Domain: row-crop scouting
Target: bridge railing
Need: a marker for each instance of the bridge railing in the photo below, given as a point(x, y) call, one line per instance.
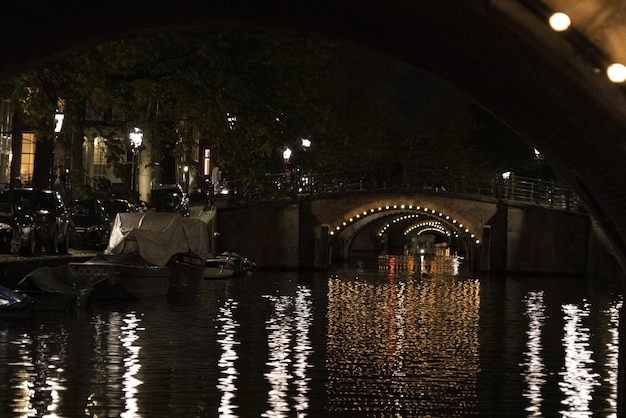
point(514, 188)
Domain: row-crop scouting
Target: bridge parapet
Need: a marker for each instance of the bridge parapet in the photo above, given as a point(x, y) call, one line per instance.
point(511, 187)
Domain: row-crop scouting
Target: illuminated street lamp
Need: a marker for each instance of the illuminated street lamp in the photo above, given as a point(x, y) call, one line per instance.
point(560, 22)
point(136, 139)
point(58, 121)
point(287, 165)
point(287, 154)
point(305, 180)
point(616, 73)
point(186, 178)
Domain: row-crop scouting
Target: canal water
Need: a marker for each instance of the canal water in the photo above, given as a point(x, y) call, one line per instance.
point(357, 341)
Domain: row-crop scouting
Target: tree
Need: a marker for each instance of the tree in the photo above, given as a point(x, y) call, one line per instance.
point(248, 95)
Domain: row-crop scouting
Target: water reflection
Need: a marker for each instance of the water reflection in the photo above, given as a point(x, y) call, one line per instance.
point(288, 342)
point(578, 377)
point(613, 354)
point(227, 340)
point(356, 342)
point(38, 382)
point(534, 364)
point(401, 343)
point(131, 363)
point(116, 362)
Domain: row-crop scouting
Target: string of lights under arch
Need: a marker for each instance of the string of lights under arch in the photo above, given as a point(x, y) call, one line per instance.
point(411, 211)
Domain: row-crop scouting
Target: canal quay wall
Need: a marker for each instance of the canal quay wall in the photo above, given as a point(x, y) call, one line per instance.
point(13, 268)
point(519, 239)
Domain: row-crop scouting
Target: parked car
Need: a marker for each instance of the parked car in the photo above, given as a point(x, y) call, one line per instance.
point(115, 206)
point(91, 224)
point(49, 214)
point(17, 232)
point(169, 198)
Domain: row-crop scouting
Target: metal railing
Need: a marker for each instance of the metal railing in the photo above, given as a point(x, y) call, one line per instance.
point(515, 188)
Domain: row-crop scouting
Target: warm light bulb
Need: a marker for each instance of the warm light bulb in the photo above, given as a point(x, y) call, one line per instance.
point(616, 73)
point(559, 22)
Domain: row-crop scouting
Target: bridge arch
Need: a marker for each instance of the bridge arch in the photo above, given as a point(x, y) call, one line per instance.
point(354, 215)
point(414, 221)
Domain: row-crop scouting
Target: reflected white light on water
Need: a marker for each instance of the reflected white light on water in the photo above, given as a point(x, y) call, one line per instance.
point(395, 343)
point(534, 364)
point(303, 348)
point(577, 374)
point(24, 385)
point(131, 363)
point(227, 331)
point(613, 353)
point(40, 374)
point(289, 349)
point(279, 357)
point(53, 386)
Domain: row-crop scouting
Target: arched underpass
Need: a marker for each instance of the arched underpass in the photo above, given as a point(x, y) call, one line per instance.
point(393, 229)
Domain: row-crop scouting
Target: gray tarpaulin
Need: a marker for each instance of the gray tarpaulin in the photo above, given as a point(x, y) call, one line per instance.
point(157, 236)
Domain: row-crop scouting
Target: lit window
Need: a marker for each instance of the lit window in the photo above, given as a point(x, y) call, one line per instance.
point(207, 162)
point(28, 157)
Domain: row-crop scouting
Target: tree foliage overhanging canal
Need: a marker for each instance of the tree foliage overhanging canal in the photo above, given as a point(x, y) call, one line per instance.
point(249, 95)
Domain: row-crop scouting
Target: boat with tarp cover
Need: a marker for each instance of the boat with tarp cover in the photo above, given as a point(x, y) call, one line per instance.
point(56, 288)
point(149, 254)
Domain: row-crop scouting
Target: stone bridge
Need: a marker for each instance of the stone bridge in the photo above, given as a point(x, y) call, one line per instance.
point(492, 235)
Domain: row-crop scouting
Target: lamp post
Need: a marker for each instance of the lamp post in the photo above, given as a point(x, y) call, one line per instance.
point(59, 117)
point(186, 178)
point(136, 139)
point(58, 121)
point(306, 181)
point(286, 166)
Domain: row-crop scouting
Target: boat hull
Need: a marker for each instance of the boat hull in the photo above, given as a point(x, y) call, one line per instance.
point(218, 268)
point(124, 281)
point(185, 273)
point(55, 288)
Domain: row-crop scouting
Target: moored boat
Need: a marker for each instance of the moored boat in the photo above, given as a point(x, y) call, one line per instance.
point(218, 268)
point(11, 301)
point(227, 264)
point(150, 254)
point(56, 288)
point(123, 276)
point(186, 273)
point(242, 265)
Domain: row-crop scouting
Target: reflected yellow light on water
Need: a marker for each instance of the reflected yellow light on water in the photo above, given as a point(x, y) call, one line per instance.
point(404, 344)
